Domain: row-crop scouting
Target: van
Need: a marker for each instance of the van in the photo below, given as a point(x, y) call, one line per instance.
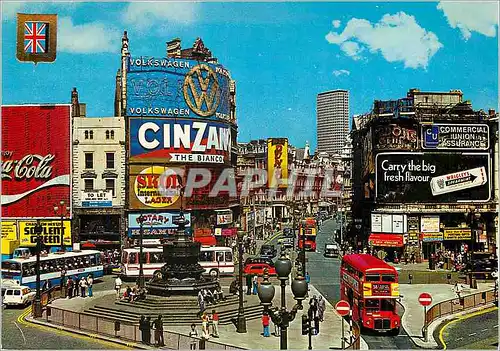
point(18, 296)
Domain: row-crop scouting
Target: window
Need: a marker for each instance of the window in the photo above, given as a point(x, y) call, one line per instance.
point(89, 160)
point(91, 134)
point(9, 292)
point(110, 160)
point(86, 134)
point(387, 305)
point(112, 134)
point(220, 256)
point(17, 292)
point(107, 134)
point(388, 278)
point(372, 303)
point(89, 184)
point(372, 278)
point(206, 256)
point(110, 185)
point(229, 256)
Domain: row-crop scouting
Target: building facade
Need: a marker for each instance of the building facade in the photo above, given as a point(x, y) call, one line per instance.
point(181, 122)
point(332, 120)
point(423, 175)
point(98, 178)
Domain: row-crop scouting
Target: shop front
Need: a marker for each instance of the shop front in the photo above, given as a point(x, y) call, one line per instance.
point(99, 228)
point(388, 247)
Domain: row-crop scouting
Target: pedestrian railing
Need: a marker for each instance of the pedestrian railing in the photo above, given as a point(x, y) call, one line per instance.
point(459, 304)
point(126, 331)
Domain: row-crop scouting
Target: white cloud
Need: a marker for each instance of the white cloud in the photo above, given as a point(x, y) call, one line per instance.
point(86, 38)
point(399, 38)
point(340, 72)
point(147, 14)
point(336, 23)
point(480, 17)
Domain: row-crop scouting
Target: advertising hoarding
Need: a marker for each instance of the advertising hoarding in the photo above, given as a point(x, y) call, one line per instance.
point(396, 137)
point(431, 237)
point(36, 160)
point(457, 234)
point(451, 136)
point(9, 230)
point(179, 141)
point(429, 224)
point(432, 177)
point(97, 198)
point(224, 217)
point(413, 228)
point(277, 162)
point(174, 87)
point(145, 184)
point(156, 225)
point(51, 234)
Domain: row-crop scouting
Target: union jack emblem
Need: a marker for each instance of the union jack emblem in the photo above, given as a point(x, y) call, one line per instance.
point(35, 35)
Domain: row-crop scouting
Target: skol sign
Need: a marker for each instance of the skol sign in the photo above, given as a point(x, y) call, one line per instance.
point(277, 162)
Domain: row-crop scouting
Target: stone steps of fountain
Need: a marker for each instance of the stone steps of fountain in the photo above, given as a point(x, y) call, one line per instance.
point(176, 304)
point(172, 316)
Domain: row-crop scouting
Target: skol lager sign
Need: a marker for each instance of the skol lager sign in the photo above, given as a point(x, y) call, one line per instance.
point(277, 162)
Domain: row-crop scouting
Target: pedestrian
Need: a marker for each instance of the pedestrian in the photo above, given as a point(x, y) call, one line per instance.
point(458, 289)
point(308, 278)
point(321, 308)
point(83, 286)
point(313, 312)
point(265, 324)
point(215, 324)
point(204, 323)
point(158, 323)
point(193, 333)
point(254, 284)
point(142, 328)
point(248, 278)
point(118, 286)
point(69, 284)
point(276, 329)
point(412, 258)
point(201, 302)
point(90, 283)
point(147, 330)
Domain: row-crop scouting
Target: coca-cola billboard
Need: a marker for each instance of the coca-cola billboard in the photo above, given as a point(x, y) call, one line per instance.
point(35, 160)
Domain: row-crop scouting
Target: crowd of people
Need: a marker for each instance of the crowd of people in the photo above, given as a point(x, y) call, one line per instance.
point(146, 326)
point(79, 286)
point(111, 257)
point(209, 296)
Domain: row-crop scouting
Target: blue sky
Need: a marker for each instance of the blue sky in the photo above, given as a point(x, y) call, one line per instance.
point(280, 54)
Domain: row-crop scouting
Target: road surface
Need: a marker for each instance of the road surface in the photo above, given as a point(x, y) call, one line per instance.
point(325, 276)
point(477, 330)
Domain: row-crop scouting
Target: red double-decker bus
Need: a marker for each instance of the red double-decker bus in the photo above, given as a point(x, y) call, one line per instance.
point(371, 287)
point(309, 229)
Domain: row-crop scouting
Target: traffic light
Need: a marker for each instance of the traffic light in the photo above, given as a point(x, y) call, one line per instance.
point(305, 325)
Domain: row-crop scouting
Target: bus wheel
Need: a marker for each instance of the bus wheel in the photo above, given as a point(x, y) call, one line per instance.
point(394, 332)
point(214, 273)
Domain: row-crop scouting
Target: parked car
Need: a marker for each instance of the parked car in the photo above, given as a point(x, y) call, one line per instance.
point(268, 251)
point(256, 259)
point(288, 243)
point(258, 269)
point(18, 296)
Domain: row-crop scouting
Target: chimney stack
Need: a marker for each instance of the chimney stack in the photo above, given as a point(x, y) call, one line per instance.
point(174, 48)
point(75, 105)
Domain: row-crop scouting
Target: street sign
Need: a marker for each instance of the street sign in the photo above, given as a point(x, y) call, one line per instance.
point(425, 299)
point(342, 307)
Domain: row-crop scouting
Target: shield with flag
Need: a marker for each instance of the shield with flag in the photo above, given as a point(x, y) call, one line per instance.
point(36, 37)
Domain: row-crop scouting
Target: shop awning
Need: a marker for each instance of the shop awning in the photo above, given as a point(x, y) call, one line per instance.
point(386, 240)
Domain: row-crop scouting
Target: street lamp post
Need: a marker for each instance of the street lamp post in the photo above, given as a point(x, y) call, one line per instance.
point(61, 215)
point(303, 223)
point(140, 283)
point(282, 317)
point(241, 322)
point(37, 304)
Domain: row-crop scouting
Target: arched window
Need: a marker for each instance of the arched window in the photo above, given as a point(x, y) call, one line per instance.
point(107, 134)
point(112, 134)
point(91, 134)
point(86, 134)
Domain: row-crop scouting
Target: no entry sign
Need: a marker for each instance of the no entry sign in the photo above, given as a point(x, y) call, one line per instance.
point(342, 307)
point(425, 299)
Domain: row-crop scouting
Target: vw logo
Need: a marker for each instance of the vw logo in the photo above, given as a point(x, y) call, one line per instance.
point(201, 90)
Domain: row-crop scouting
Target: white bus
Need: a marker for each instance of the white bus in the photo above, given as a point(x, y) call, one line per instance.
point(216, 261)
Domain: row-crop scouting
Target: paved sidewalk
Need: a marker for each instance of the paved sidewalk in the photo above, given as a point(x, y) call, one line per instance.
point(329, 336)
point(413, 318)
